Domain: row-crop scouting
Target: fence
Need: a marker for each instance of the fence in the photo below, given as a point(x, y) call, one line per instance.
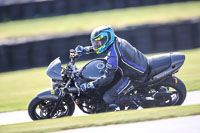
point(147, 38)
point(25, 9)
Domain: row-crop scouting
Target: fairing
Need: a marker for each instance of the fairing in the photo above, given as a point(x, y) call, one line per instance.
point(54, 69)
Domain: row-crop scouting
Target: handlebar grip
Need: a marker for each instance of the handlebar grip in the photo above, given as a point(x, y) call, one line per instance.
point(79, 49)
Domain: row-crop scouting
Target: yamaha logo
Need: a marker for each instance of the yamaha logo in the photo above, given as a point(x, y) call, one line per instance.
point(100, 65)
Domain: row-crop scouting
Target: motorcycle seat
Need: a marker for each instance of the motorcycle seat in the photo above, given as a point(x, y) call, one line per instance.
point(159, 63)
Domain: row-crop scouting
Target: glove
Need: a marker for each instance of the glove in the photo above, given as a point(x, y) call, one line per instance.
point(86, 86)
point(90, 85)
point(88, 50)
point(79, 49)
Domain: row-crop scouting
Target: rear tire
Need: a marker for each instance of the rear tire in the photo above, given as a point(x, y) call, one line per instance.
point(46, 106)
point(178, 85)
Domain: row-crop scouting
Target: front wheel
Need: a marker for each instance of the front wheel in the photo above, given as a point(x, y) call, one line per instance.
point(41, 109)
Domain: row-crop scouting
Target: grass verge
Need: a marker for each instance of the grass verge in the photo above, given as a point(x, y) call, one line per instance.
point(102, 119)
point(88, 21)
point(19, 87)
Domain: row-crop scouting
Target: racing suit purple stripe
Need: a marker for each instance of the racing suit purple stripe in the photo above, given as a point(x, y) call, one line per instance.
point(122, 85)
point(112, 62)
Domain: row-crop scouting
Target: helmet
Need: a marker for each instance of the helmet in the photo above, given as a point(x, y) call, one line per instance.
point(101, 38)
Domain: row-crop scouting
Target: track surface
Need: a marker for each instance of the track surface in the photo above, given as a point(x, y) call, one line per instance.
point(22, 116)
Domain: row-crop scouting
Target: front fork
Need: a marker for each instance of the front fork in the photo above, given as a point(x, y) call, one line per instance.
point(62, 96)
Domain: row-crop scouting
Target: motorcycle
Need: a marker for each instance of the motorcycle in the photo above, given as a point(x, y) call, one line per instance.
point(161, 88)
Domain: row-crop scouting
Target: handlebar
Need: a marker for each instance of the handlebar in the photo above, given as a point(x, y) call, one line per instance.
point(74, 56)
point(78, 51)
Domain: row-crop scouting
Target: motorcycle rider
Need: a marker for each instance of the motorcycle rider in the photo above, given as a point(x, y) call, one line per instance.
point(121, 55)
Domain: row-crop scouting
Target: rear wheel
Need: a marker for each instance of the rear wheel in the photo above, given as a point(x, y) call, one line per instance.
point(173, 89)
point(41, 109)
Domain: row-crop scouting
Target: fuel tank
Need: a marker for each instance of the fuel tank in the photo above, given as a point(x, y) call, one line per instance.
point(94, 69)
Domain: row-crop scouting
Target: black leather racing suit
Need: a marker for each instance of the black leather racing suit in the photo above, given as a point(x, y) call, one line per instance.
point(133, 64)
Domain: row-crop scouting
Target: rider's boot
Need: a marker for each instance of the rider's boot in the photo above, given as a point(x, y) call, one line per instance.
point(135, 102)
point(128, 100)
point(112, 107)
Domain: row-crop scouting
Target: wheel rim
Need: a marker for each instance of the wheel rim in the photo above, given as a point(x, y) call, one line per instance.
point(44, 108)
point(174, 95)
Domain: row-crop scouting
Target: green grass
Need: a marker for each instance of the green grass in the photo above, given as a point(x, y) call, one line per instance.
point(87, 21)
point(190, 71)
point(17, 88)
point(102, 119)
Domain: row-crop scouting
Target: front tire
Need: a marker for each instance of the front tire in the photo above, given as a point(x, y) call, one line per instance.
point(40, 109)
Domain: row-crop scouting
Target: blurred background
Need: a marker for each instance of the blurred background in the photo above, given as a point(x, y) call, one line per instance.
point(34, 32)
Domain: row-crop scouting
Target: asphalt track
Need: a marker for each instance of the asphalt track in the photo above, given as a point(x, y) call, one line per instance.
point(22, 116)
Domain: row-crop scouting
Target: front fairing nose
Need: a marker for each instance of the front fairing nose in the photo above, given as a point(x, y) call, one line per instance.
point(54, 69)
